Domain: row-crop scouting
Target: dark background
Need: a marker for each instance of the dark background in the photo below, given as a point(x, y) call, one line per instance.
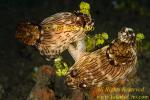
point(17, 60)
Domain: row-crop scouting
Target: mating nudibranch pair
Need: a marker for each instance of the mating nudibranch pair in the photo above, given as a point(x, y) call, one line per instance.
point(104, 66)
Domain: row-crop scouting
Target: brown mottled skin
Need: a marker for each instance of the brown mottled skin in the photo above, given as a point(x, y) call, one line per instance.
point(55, 33)
point(28, 33)
point(107, 65)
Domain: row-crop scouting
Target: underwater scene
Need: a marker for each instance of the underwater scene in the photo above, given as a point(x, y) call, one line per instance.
point(75, 50)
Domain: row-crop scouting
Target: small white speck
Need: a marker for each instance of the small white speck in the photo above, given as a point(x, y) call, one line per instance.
point(85, 78)
point(68, 22)
point(78, 18)
point(84, 85)
point(123, 63)
point(124, 33)
point(52, 18)
point(42, 32)
point(47, 59)
point(111, 56)
point(93, 82)
point(109, 78)
point(128, 29)
point(99, 84)
point(71, 68)
point(113, 41)
point(41, 38)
